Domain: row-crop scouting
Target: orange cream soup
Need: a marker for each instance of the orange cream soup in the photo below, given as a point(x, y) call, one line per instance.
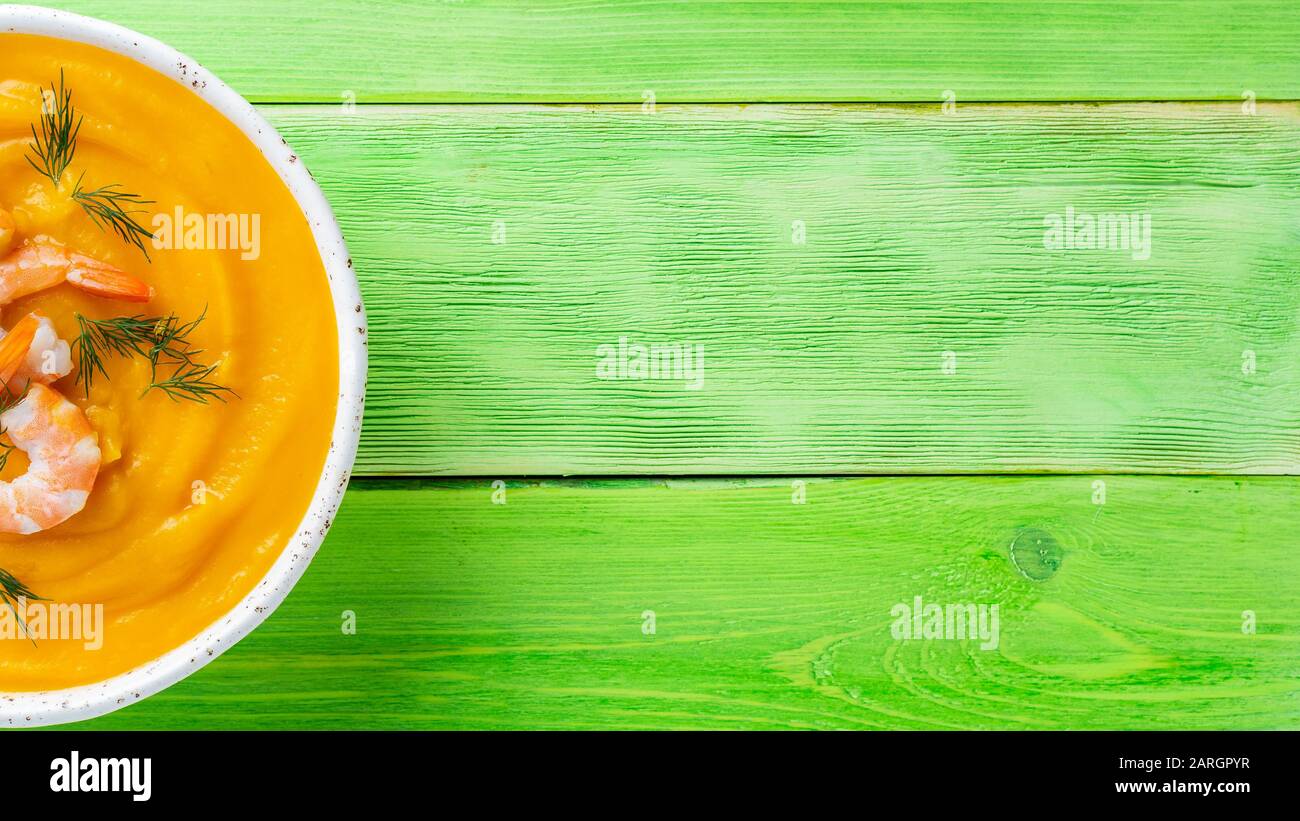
point(163, 566)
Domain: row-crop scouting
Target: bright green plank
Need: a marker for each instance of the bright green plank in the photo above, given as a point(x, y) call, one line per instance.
point(924, 235)
point(561, 51)
point(774, 615)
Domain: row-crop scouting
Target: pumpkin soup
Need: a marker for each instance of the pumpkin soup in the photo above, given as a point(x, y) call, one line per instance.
point(169, 366)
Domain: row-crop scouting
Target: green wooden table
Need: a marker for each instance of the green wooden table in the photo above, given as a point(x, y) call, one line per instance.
point(907, 390)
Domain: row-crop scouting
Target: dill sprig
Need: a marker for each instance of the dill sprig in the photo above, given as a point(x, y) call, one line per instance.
point(54, 146)
point(164, 341)
point(190, 381)
point(97, 338)
point(111, 209)
point(11, 590)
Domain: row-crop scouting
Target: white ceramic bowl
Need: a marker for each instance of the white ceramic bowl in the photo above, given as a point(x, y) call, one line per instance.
point(76, 703)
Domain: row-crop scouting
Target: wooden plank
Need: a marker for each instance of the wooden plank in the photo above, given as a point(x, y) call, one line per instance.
point(529, 614)
point(750, 51)
point(500, 247)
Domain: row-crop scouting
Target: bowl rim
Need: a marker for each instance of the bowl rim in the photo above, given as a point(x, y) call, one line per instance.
point(30, 709)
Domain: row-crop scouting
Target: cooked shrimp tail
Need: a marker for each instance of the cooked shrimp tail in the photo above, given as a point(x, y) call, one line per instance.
point(102, 279)
point(39, 263)
point(48, 358)
point(14, 348)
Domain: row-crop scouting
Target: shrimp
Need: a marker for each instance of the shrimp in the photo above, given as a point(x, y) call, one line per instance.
point(62, 447)
point(41, 263)
point(56, 435)
point(65, 459)
point(15, 347)
point(48, 358)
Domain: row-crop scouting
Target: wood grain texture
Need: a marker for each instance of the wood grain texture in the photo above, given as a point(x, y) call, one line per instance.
point(924, 234)
point(749, 51)
point(768, 614)
point(499, 247)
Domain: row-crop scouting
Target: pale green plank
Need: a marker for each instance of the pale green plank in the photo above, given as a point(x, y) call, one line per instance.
point(774, 615)
point(924, 234)
point(559, 51)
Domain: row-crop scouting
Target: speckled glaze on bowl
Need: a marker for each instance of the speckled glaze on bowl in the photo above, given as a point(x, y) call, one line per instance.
point(77, 703)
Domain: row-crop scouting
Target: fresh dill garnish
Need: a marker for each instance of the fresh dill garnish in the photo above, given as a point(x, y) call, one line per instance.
point(161, 340)
point(190, 381)
point(111, 209)
point(11, 590)
point(99, 337)
point(57, 142)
